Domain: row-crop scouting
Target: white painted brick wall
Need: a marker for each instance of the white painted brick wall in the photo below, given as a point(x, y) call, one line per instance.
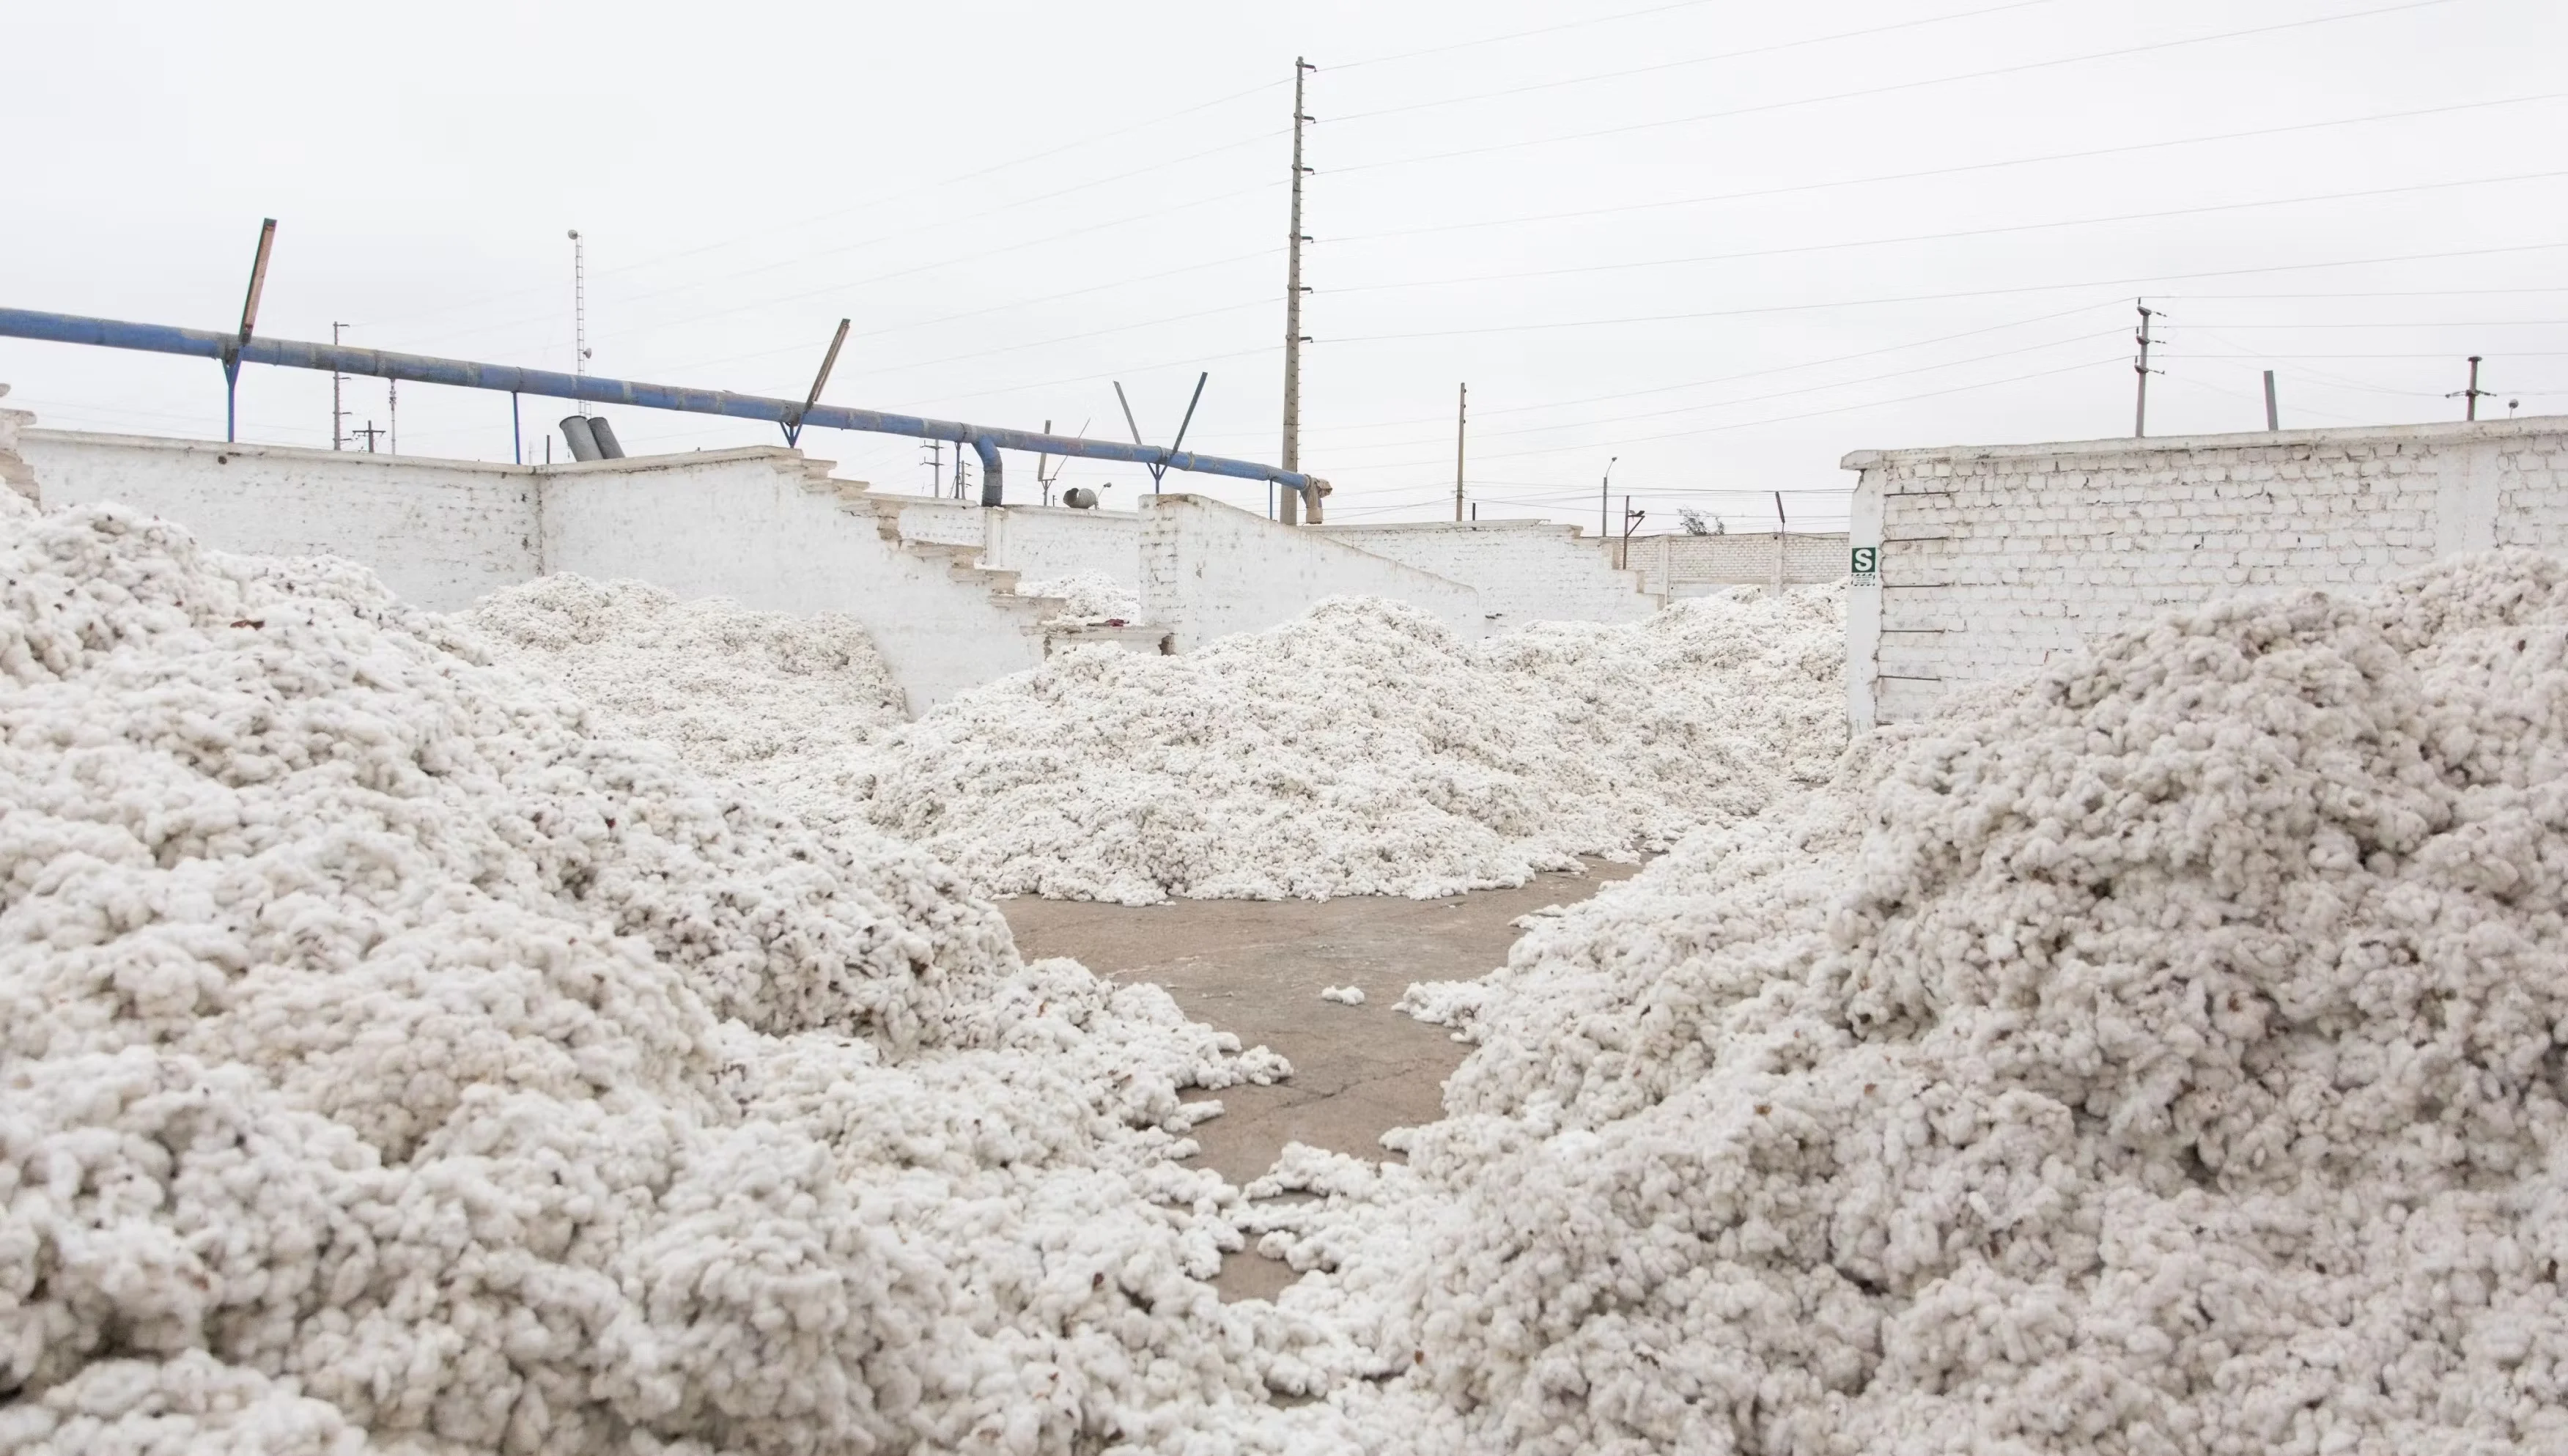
point(1688, 565)
point(1046, 543)
point(441, 533)
point(1208, 570)
point(14, 471)
point(766, 528)
point(1525, 571)
point(1995, 560)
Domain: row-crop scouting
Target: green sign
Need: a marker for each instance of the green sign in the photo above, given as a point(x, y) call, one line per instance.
point(1866, 565)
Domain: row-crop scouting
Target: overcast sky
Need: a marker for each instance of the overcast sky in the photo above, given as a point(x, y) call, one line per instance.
point(1725, 242)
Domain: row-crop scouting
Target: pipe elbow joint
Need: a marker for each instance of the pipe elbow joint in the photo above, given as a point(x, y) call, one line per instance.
point(993, 482)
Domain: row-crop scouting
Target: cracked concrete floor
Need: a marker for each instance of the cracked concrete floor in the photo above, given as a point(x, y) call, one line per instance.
point(1256, 968)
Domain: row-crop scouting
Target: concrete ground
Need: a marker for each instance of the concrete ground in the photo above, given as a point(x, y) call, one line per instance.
point(1256, 969)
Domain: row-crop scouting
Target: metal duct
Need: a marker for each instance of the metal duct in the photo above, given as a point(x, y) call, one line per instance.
point(582, 438)
point(466, 374)
point(605, 432)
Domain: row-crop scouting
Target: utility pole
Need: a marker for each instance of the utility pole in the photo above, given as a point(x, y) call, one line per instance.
point(2470, 396)
point(1461, 414)
point(371, 433)
point(338, 416)
point(935, 463)
point(579, 311)
point(2140, 412)
point(1293, 291)
point(1605, 503)
point(392, 417)
point(2273, 415)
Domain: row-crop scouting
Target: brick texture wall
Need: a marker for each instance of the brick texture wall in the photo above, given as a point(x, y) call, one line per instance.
point(1995, 560)
point(1685, 565)
point(1525, 571)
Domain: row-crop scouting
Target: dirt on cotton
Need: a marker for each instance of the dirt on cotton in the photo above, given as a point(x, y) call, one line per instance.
point(1362, 749)
point(2163, 1056)
point(388, 1063)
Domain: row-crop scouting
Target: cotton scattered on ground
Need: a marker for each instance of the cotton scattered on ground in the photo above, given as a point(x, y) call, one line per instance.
point(786, 704)
point(1087, 597)
point(2161, 1055)
point(1362, 749)
point(1345, 995)
point(390, 1063)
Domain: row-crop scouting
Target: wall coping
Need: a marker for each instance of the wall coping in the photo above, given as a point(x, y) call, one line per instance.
point(2434, 432)
point(628, 465)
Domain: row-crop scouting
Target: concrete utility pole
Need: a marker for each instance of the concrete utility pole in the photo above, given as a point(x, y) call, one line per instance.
point(2273, 416)
point(2470, 396)
point(579, 309)
point(371, 434)
point(1461, 413)
point(1605, 503)
point(338, 416)
point(2140, 412)
point(1293, 291)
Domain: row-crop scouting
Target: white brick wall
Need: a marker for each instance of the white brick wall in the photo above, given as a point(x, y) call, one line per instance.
point(441, 533)
point(1208, 570)
point(1525, 571)
point(1993, 560)
point(1686, 565)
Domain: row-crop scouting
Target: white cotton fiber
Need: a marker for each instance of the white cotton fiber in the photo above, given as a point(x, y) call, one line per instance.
point(386, 1058)
point(787, 705)
point(2161, 1055)
point(1345, 995)
point(1362, 749)
point(1087, 597)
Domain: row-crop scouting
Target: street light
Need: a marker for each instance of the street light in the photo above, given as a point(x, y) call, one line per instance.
point(1603, 504)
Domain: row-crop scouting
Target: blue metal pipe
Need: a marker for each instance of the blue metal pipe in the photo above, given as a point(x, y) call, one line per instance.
point(987, 441)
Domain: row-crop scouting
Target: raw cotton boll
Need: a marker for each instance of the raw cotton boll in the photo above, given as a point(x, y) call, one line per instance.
point(788, 705)
point(2160, 1054)
point(387, 1062)
point(1087, 597)
point(1362, 749)
point(1345, 995)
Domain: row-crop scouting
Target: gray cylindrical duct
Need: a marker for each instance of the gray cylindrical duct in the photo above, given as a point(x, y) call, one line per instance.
point(605, 432)
point(993, 485)
point(1078, 497)
point(582, 440)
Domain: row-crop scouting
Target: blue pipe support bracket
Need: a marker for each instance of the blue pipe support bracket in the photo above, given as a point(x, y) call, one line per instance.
point(985, 441)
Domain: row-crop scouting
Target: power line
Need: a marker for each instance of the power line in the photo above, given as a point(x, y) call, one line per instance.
point(1939, 171)
point(1916, 237)
point(1516, 35)
point(1876, 90)
point(1767, 50)
point(871, 206)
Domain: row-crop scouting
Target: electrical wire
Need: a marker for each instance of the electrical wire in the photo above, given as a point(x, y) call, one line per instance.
point(1940, 171)
point(1893, 88)
point(2001, 230)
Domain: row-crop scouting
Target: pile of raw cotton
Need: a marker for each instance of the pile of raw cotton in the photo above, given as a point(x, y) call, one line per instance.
point(2163, 1056)
point(1363, 748)
point(384, 1058)
point(1091, 596)
point(786, 704)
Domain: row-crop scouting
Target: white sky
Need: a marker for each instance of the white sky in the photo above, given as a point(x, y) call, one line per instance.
point(1725, 242)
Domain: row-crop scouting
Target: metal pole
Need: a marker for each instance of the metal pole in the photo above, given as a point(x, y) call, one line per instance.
point(579, 309)
point(2140, 411)
point(829, 361)
point(516, 432)
point(1462, 411)
point(250, 321)
point(2472, 400)
point(1604, 502)
point(2273, 415)
point(1293, 291)
point(338, 415)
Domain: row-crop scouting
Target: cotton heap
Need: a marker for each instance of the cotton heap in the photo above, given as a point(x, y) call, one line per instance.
point(1091, 596)
point(1362, 749)
point(386, 1061)
point(2161, 1055)
point(787, 705)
